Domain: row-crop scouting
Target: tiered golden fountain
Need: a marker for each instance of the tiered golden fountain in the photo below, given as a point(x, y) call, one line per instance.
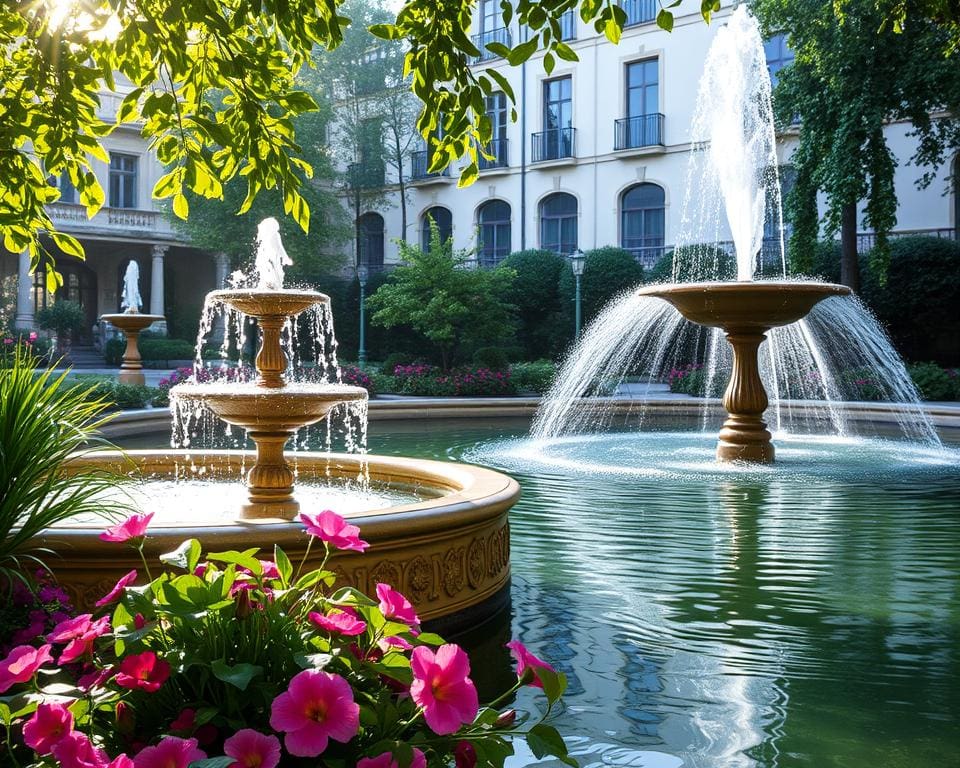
point(271, 409)
point(745, 311)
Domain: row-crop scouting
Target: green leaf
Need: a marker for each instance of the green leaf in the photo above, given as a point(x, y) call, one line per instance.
point(212, 762)
point(429, 638)
point(613, 31)
point(665, 20)
point(283, 565)
point(237, 675)
point(522, 52)
point(68, 244)
point(186, 556)
point(554, 683)
point(468, 175)
point(180, 206)
point(385, 31)
point(5, 715)
point(499, 49)
point(549, 62)
point(545, 741)
point(247, 559)
point(708, 8)
point(168, 184)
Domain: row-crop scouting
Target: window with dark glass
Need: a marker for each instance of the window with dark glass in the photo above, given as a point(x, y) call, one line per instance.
point(490, 18)
point(787, 177)
point(123, 180)
point(643, 124)
point(371, 240)
point(68, 192)
point(556, 140)
point(558, 223)
point(494, 220)
point(444, 221)
point(779, 55)
point(642, 221)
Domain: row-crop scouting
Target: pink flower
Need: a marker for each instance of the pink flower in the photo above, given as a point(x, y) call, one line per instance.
point(22, 664)
point(252, 749)
point(133, 527)
point(113, 594)
point(171, 752)
point(79, 636)
point(330, 527)
point(121, 761)
point(464, 755)
point(76, 751)
point(343, 621)
point(185, 721)
point(442, 687)
point(393, 605)
point(387, 643)
point(526, 660)
point(49, 724)
point(317, 706)
point(94, 677)
point(387, 760)
point(144, 671)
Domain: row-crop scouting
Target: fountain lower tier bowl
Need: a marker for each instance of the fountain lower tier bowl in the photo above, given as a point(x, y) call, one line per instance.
point(131, 321)
point(745, 311)
point(448, 550)
point(260, 302)
point(267, 409)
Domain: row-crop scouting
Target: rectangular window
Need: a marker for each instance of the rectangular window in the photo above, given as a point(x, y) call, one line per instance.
point(68, 192)
point(495, 106)
point(490, 18)
point(779, 55)
point(370, 149)
point(643, 88)
point(558, 104)
point(123, 180)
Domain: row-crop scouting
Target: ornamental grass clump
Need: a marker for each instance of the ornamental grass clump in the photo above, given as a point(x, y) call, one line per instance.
point(229, 659)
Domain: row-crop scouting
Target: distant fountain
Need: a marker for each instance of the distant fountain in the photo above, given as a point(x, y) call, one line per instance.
point(812, 330)
point(131, 322)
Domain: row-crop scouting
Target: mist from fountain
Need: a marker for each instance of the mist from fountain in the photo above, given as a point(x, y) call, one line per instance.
point(810, 368)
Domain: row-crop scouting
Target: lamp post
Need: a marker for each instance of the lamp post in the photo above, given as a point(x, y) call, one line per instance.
point(577, 262)
point(363, 272)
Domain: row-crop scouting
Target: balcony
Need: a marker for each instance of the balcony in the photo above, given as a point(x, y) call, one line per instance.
point(638, 132)
point(639, 11)
point(123, 223)
point(555, 144)
point(366, 175)
point(500, 156)
point(419, 163)
point(499, 35)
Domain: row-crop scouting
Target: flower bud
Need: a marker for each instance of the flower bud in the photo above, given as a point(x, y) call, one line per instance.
point(506, 719)
point(125, 720)
point(243, 604)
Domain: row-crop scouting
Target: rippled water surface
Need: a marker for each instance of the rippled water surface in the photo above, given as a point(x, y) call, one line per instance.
point(803, 616)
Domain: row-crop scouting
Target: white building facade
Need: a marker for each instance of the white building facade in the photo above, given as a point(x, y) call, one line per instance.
point(600, 152)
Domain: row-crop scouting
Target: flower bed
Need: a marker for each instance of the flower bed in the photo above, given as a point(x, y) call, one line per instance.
point(236, 660)
point(428, 381)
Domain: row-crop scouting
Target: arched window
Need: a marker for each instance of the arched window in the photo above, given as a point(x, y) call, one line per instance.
point(494, 219)
point(642, 222)
point(558, 223)
point(371, 240)
point(442, 218)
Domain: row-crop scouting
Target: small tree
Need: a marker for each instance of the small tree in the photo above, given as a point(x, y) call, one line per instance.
point(536, 294)
point(607, 272)
point(456, 309)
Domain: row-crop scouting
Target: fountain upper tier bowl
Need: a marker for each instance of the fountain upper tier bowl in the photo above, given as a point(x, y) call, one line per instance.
point(756, 306)
point(261, 302)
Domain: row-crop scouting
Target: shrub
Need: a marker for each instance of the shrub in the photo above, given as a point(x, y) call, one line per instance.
point(533, 377)
point(536, 295)
point(61, 317)
point(607, 272)
point(164, 350)
point(113, 350)
point(427, 381)
point(493, 358)
point(918, 302)
point(700, 261)
point(123, 396)
point(934, 382)
point(356, 377)
point(393, 360)
point(23, 343)
point(230, 651)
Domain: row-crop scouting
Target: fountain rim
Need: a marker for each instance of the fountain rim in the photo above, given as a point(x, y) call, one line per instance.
point(470, 492)
point(222, 295)
point(658, 290)
point(138, 318)
point(295, 390)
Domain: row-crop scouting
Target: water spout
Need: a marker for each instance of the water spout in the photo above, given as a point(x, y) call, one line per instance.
point(271, 256)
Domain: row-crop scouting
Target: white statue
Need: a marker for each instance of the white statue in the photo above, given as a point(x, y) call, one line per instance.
point(131, 301)
point(271, 256)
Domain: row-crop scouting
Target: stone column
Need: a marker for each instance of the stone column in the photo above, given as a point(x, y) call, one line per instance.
point(156, 287)
point(24, 316)
point(156, 280)
point(222, 263)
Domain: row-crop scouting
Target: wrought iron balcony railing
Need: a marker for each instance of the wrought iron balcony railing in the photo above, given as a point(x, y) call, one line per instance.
point(498, 149)
point(639, 131)
point(499, 35)
point(553, 144)
point(419, 163)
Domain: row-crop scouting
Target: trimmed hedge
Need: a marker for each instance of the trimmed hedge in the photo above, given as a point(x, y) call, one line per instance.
point(536, 377)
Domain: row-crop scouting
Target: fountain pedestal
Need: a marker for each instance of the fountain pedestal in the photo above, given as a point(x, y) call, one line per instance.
point(131, 323)
point(745, 311)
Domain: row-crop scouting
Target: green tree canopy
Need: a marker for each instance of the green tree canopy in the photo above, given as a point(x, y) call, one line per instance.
point(850, 79)
point(607, 272)
point(453, 307)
